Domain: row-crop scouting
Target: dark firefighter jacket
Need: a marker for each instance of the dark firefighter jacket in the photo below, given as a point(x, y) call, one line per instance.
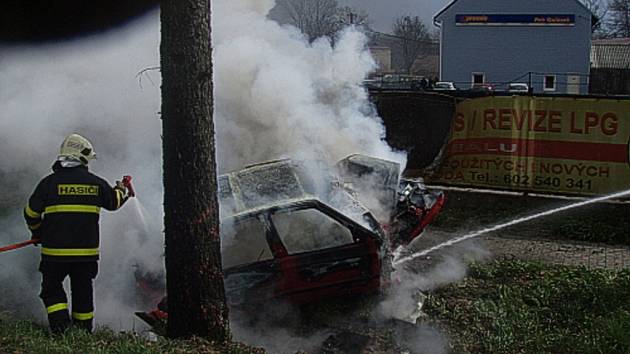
point(63, 213)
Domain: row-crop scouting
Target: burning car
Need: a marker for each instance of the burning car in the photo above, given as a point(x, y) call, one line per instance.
point(287, 236)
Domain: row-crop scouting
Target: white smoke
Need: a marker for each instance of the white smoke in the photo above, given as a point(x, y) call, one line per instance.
point(279, 96)
point(276, 96)
point(278, 328)
point(405, 297)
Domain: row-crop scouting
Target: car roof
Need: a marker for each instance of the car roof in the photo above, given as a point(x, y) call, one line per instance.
point(279, 184)
point(258, 185)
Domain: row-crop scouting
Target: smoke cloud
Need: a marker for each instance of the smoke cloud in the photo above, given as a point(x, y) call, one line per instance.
point(404, 299)
point(276, 96)
point(90, 87)
point(279, 96)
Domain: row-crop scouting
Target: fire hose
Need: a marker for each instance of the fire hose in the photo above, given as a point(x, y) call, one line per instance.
point(18, 245)
point(126, 181)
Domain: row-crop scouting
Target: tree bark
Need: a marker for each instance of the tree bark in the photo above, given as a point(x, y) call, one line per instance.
point(196, 297)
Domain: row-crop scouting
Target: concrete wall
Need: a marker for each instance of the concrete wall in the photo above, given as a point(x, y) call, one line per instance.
point(505, 53)
point(383, 58)
point(416, 122)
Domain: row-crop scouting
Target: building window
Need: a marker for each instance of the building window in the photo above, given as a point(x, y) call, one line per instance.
point(478, 79)
point(550, 83)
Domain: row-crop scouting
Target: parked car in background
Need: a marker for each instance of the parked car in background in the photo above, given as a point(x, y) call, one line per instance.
point(421, 84)
point(402, 82)
point(444, 86)
point(517, 87)
point(487, 88)
point(375, 83)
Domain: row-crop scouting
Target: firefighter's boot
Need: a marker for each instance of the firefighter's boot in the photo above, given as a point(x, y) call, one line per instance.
point(85, 325)
point(59, 320)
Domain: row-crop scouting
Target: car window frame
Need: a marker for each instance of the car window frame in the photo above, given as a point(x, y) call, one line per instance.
point(283, 236)
point(278, 249)
point(260, 218)
point(358, 232)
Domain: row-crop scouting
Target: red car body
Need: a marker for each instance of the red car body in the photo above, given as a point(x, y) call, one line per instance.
point(281, 240)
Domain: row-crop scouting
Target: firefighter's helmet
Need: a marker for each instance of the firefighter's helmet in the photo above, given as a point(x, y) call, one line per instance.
point(78, 148)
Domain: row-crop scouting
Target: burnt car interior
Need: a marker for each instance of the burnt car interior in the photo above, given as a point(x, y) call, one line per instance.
point(311, 247)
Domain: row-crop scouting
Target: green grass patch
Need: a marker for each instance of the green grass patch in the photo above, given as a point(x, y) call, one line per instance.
point(516, 307)
point(26, 337)
point(604, 222)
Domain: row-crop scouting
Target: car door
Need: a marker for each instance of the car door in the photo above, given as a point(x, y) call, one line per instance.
point(251, 269)
point(327, 255)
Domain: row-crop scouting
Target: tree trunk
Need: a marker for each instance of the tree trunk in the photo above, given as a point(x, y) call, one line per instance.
point(196, 297)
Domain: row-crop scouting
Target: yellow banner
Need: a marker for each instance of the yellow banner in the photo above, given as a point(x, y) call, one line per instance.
point(540, 144)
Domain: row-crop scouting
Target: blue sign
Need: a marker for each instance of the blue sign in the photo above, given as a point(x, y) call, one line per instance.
point(514, 20)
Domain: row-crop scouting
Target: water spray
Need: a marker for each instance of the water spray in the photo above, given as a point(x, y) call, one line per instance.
point(451, 242)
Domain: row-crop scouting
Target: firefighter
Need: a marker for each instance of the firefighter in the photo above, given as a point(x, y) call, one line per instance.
point(63, 213)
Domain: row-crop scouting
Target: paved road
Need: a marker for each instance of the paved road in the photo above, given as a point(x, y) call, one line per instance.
point(497, 246)
point(560, 252)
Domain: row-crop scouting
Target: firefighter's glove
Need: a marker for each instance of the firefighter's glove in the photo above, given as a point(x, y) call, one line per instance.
point(36, 236)
point(121, 186)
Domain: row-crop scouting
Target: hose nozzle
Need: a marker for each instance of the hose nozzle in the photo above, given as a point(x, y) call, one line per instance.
point(126, 181)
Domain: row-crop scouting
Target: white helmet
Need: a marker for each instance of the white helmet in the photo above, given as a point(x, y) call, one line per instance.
point(77, 148)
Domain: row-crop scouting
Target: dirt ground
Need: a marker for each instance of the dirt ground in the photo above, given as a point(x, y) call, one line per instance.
point(594, 236)
point(560, 252)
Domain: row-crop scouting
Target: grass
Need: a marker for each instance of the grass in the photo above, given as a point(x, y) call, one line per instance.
point(516, 307)
point(601, 223)
point(26, 337)
point(500, 307)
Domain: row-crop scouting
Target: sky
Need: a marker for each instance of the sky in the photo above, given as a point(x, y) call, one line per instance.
point(383, 12)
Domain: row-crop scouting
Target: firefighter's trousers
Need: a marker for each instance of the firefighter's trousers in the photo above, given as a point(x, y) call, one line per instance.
point(81, 276)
